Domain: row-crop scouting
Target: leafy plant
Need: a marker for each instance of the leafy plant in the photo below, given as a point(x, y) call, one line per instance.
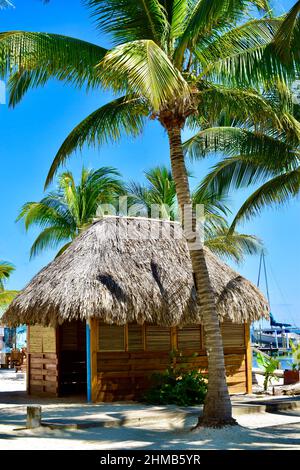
point(295, 355)
point(177, 386)
point(269, 364)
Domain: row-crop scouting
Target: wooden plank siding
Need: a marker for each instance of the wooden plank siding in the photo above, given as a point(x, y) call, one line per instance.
point(125, 375)
point(123, 358)
point(42, 361)
point(43, 374)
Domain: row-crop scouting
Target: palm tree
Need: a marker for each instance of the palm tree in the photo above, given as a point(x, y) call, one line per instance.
point(6, 296)
point(178, 62)
point(64, 213)
point(160, 193)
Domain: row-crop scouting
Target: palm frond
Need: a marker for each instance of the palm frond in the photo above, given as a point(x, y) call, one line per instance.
point(49, 238)
point(287, 37)
point(6, 269)
point(31, 59)
point(238, 105)
point(159, 193)
point(234, 246)
point(178, 18)
point(276, 191)
point(107, 124)
point(214, 204)
point(237, 172)
point(143, 68)
point(272, 149)
point(50, 210)
point(207, 16)
point(6, 297)
point(131, 20)
point(62, 214)
point(245, 55)
point(63, 249)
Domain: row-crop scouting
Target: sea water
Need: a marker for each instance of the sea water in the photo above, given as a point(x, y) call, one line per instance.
point(286, 362)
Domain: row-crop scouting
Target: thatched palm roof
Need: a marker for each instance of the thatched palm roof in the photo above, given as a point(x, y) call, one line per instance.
point(125, 270)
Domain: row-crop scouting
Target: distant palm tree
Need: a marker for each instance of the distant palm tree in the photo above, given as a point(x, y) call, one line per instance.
point(64, 213)
point(160, 191)
point(6, 296)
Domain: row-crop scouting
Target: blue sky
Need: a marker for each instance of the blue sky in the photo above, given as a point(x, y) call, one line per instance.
point(33, 131)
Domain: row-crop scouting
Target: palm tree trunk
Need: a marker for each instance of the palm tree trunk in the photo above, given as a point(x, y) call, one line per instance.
point(217, 407)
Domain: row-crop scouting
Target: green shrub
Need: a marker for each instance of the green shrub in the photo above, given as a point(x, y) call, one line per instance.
point(178, 387)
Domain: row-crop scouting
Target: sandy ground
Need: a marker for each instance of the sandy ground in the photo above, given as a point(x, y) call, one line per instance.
point(255, 431)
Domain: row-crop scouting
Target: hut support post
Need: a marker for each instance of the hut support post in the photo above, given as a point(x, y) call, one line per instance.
point(28, 362)
point(248, 358)
point(94, 324)
point(88, 363)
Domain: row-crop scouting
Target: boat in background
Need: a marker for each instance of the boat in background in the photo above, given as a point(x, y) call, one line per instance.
point(278, 336)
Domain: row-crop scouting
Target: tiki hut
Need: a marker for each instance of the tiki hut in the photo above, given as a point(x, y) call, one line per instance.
point(106, 313)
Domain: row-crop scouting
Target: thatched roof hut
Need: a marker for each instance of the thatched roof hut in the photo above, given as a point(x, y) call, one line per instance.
point(124, 270)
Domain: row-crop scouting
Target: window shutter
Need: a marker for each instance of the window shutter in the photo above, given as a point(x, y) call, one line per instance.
point(111, 337)
point(158, 338)
point(189, 337)
point(233, 334)
point(135, 338)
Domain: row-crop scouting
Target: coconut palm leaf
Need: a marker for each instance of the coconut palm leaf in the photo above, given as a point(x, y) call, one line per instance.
point(160, 192)
point(276, 191)
point(234, 246)
point(6, 297)
point(131, 20)
point(49, 238)
point(50, 210)
point(142, 67)
point(65, 212)
point(287, 37)
point(177, 16)
point(63, 249)
point(107, 124)
point(246, 107)
point(6, 269)
point(238, 172)
point(31, 59)
point(232, 141)
point(245, 55)
point(208, 15)
point(247, 37)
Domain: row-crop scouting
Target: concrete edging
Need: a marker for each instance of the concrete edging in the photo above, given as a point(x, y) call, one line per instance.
point(176, 417)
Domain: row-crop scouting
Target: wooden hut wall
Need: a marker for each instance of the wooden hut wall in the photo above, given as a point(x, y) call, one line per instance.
point(42, 362)
point(125, 357)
